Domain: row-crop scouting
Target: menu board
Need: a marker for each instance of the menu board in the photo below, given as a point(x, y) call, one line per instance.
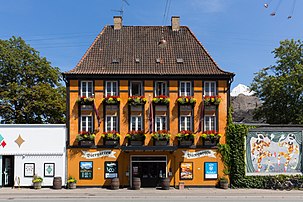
point(86, 170)
point(186, 171)
point(111, 169)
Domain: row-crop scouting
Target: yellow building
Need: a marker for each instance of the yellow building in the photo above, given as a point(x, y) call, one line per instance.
point(153, 83)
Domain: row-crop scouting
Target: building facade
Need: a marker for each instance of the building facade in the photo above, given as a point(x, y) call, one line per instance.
point(146, 102)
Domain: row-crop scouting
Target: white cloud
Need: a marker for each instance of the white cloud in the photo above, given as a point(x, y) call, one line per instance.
point(209, 6)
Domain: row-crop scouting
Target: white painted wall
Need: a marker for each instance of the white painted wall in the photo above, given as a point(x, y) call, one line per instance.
point(43, 143)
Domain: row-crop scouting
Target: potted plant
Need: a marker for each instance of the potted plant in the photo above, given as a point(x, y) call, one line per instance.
point(212, 100)
point(136, 137)
point(83, 100)
point(186, 100)
point(111, 100)
point(161, 137)
point(71, 182)
point(86, 139)
point(111, 138)
point(223, 182)
point(161, 99)
point(136, 100)
point(185, 137)
point(37, 181)
point(210, 138)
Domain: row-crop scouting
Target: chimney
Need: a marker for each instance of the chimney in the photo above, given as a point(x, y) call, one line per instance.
point(117, 22)
point(175, 23)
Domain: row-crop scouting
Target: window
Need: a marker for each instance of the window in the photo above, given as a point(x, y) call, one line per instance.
point(110, 123)
point(209, 122)
point(161, 88)
point(160, 123)
point(111, 88)
point(136, 88)
point(135, 122)
point(185, 88)
point(210, 88)
point(86, 123)
point(87, 88)
point(185, 122)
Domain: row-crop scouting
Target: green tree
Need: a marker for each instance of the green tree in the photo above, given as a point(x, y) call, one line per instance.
point(30, 88)
point(280, 86)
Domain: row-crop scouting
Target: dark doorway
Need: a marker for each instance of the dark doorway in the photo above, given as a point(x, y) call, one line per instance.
point(8, 171)
point(150, 170)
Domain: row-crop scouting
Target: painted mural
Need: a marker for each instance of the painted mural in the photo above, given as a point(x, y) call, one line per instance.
point(273, 152)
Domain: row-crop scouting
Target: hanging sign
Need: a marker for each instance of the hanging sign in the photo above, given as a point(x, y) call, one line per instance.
point(199, 154)
point(98, 154)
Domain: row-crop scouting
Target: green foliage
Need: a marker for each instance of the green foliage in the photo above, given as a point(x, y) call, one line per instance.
point(161, 135)
point(30, 89)
point(71, 180)
point(280, 86)
point(37, 178)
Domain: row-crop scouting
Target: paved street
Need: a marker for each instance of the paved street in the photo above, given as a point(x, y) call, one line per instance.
point(192, 194)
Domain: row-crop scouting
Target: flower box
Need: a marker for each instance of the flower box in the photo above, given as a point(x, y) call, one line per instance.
point(161, 142)
point(135, 137)
point(161, 100)
point(210, 138)
point(136, 100)
point(185, 142)
point(186, 100)
point(86, 139)
point(161, 137)
point(83, 100)
point(111, 142)
point(212, 100)
point(136, 142)
point(111, 138)
point(111, 100)
point(86, 143)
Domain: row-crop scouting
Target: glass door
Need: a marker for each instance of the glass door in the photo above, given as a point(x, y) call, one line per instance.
point(8, 171)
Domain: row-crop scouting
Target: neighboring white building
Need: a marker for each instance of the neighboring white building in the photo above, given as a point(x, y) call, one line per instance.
point(31, 149)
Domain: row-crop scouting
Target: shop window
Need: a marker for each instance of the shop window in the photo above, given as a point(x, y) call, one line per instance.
point(185, 88)
point(87, 88)
point(185, 118)
point(111, 88)
point(136, 88)
point(210, 88)
point(86, 123)
point(161, 88)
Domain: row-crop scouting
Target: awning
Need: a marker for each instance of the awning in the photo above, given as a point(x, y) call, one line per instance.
point(148, 148)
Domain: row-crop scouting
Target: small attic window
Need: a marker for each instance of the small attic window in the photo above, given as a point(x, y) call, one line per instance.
point(180, 60)
point(115, 61)
point(137, 60)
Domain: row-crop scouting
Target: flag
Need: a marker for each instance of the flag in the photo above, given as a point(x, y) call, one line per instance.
point(151, 117)
point(201, 117)
point(97, 114)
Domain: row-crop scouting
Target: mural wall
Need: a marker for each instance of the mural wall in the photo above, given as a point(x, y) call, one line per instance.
point(273, 152)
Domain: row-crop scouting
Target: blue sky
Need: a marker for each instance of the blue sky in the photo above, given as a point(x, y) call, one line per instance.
point(238, 34)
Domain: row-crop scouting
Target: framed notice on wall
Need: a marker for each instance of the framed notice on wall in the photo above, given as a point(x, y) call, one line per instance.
point(49, 170)
point(29, 169)
point(86, 170)
point(111, 169)
point(211, 170)
point(186, 171)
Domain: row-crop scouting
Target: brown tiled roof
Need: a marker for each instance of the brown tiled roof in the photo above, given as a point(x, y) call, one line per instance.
point(131, 42)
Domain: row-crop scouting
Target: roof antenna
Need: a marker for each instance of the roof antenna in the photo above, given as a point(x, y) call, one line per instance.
point(121, 11)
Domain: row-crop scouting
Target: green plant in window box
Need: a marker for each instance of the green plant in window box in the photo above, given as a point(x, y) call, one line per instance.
point(161, 99)
point(211, 135)
point(212, 100)
point(136, 135)
point(110, 99)
point(185, 135)
point(85, 135)
point(161, 135)
point(186, 100)
point(136, 100)
point(83, 100)
point(111, 135)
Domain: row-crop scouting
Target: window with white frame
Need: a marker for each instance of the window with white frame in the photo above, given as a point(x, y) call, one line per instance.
point(160, 88)
point(111, 88)
point(86, 123)
point(160, 122)
point(210, 88)
point(87, 88)
point(136, 88)
point(209, 122)
point(185, 88)
point(136, 122)
point(185, 122)
point(110, 123)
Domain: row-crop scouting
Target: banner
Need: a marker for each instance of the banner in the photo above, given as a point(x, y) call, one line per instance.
point(98, 154)
point(199, 154)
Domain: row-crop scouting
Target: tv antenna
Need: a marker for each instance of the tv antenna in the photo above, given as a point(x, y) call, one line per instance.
point(121, 11)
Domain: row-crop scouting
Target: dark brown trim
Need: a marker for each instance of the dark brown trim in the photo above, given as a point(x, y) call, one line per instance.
point(99, 91)
point(73, 91)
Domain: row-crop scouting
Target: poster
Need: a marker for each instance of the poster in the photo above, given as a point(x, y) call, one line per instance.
point(111, 169)
point(211, 170)
point(29, 169)
point(49, 170)
point(273, 152)
point(86, 170)
point(186, 171)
